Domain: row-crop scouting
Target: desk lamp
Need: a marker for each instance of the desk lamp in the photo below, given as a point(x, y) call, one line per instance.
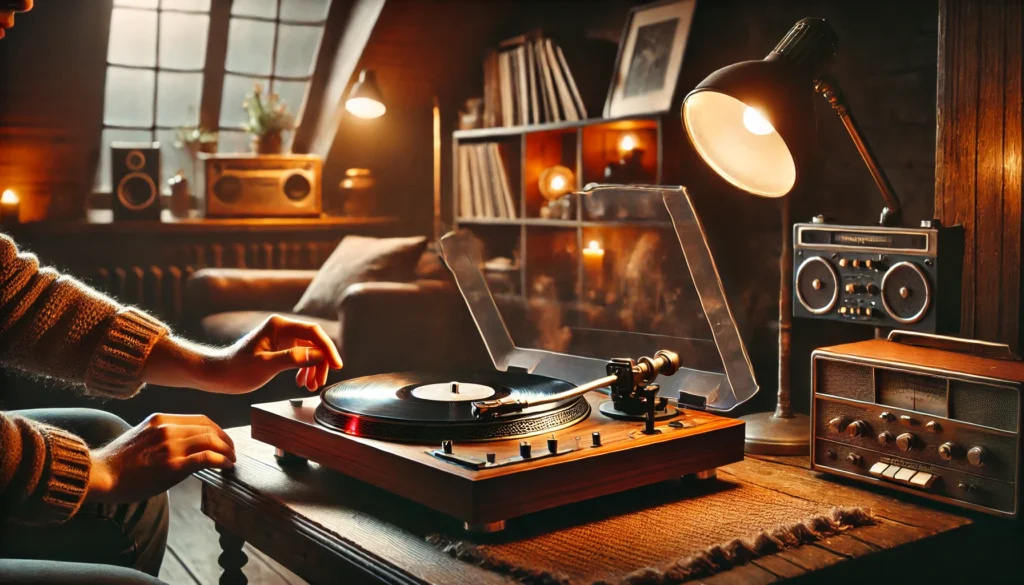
point(754, 124)
point(365, 99)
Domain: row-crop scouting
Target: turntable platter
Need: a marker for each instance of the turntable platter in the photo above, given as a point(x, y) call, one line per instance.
point(420, 407)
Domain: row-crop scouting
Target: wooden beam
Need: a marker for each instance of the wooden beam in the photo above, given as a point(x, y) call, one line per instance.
point(978, 158)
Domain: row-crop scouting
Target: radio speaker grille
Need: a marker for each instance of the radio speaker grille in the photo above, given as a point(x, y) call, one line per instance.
point(981, 404)
point(845, 380)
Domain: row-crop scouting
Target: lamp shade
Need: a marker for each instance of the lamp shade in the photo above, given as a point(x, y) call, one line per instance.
point(753, 122)
point(365, 99)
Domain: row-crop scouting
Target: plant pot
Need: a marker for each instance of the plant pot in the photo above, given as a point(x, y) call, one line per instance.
point(269, 143)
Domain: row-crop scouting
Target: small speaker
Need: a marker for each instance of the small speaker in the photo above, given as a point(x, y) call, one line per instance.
point(817, 285)
point(906, 294)
point(239, 185)
point(135, 180)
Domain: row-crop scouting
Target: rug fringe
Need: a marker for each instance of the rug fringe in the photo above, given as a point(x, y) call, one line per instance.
point(713, 560)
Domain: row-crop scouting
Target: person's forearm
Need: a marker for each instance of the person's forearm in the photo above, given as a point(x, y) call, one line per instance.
point(180, 363)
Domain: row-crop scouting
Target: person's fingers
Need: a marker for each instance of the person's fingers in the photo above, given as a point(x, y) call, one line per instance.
point(322, 371)
point(300, 377)
point(203, 460)
point(296, 357)
point(186, 425)
point(300, 330)
point(206, 442)
point(311, 380)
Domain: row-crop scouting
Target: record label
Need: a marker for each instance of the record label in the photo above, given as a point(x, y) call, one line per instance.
point(453, 392)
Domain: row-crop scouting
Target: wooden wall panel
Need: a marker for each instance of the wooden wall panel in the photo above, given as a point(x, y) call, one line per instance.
point(978, 157)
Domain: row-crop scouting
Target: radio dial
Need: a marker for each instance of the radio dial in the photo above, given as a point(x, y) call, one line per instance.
point(947, 451)
point(857, 428)
point(976, 456)
point(837, 424)
point(885, 438)
point(872, 288)
point(905, 442)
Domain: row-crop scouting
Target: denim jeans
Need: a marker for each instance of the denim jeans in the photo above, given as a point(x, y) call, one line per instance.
point(103, 543)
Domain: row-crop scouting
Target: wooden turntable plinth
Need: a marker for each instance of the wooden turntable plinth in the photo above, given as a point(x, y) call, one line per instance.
point(625, 459)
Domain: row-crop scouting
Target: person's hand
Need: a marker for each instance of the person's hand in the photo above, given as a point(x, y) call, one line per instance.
point(278, 344)
point(155, 455)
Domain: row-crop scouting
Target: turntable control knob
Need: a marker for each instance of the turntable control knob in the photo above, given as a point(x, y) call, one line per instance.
point(976, 456)
point(843, 262)
point(857, 428)
point(595, 439)
point(446, 446)
point(524, 449)
point(455, 387)
point(905, 442)
point(492, 457)
point(872, 288)
point(885, 438)
point(947, 451)
point(552, 445)
point(837, 424)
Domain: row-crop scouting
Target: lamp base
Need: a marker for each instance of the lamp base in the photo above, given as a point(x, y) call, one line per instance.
point(767, 434)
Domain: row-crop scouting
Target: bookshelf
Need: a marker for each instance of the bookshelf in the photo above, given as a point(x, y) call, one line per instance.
point(554, 246)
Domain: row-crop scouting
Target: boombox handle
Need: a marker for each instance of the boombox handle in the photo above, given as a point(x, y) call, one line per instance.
point(976, 347)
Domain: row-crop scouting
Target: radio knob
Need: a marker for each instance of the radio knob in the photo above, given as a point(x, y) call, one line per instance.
point(869, 312)
point(843, 262)
point(885, 416)
point(905, 442)
point(855, 459)
point(947, 451)
point(856, 263)
point(872, 288)
point(857, 428)
point(868, 264)
point(837, 424)
point(851, 288)
point(933, 426)
point(885, 438)
point(976, 456)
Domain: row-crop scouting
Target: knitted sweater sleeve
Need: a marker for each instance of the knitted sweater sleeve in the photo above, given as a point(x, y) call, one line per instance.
point(54, 326)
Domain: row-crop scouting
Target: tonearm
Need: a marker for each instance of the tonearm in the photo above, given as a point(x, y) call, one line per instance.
point(630, 382)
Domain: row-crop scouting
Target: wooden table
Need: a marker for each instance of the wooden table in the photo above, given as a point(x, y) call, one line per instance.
point(328, 528)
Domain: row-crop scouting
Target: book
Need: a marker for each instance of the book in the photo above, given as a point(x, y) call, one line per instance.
point(541, 85)
point(549, 83)
point(522, 86)
point(564, 97)
point(577, 100)
point(536, 115)
point(505, 88)
point(502, 178)
point(466, 208)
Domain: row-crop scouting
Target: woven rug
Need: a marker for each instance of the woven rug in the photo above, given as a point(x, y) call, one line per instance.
point(666, 533)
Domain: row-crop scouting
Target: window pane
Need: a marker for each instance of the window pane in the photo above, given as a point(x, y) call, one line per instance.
point(197, 5)
point(304, 10)
point(236, 87)
point(114, 135)
point(296, 49)
point(264, 8)
point(178, 98)
point(234, 141)
point(293, 94)
point(128, 100)
point(250, 43)
point(174, 159)
point(132, 37)
point(136, 3)
point(183, 40)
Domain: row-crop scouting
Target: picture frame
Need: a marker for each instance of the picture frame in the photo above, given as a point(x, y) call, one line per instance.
point(649, 59)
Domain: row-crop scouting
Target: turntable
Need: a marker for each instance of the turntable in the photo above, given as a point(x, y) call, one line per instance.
point(559, 418)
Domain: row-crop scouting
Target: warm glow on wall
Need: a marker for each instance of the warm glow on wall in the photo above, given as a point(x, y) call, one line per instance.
point(9, 197)
point(627, 143)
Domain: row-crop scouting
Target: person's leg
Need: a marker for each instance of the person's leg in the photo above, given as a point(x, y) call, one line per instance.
point(132, 535)
point(22, 572)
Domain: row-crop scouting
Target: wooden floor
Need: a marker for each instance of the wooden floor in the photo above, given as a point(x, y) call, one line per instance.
point(192, 547)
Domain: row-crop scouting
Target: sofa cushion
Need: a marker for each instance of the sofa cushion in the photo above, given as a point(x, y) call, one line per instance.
point(231, 326)
point(359, 259)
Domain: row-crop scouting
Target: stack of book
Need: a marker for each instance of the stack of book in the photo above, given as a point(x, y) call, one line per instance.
point(483, 183)
point(527, 81)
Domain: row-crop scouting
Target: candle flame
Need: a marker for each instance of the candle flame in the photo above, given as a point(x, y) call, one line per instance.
point(9, 196)
point(627, 143)
point(594, 245)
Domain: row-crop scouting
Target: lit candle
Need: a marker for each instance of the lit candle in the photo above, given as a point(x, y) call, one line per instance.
point(10, 208)
point(593, 267)
point(626, 144)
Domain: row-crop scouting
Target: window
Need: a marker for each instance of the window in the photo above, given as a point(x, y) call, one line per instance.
point(156, 61)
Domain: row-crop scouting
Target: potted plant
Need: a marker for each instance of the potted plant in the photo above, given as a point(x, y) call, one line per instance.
point(268, 120)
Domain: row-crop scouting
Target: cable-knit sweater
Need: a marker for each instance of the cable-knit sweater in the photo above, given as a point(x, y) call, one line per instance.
point(53, 325)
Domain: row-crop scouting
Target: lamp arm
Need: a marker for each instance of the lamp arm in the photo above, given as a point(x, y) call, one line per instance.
point(893, 211)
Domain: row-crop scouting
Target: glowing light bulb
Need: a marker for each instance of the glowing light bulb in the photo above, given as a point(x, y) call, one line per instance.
point(628, 143)
point(9, 197)
point(557, 183)
point(756, 123)
point(365, 108)
point(594, 245)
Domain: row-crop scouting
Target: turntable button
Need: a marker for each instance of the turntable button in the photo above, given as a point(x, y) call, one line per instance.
point(878, 468)
point(492, 457)
point(446, 446)
point(524, 449)
point(904, 474)
point(922, 479)
point(595, 439)
point(552, 446)
point(891, 471)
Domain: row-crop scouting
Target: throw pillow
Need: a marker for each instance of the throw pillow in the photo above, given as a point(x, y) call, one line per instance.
point(359, 259)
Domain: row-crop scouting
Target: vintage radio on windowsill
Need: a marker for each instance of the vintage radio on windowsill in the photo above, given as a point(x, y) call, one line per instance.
point(932, 415)
point(241, 185)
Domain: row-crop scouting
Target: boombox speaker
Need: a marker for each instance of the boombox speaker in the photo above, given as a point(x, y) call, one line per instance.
point(239, 185)
point(135, 180)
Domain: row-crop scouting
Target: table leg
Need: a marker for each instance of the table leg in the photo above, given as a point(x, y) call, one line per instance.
point(231, 558)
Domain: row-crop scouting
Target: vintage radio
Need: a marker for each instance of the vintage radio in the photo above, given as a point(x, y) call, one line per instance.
point(239, 185)
point(894, 277)
point(932, 415)
point(135, 180)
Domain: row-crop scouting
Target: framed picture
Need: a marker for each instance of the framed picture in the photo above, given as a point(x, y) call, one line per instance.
point(650, 55)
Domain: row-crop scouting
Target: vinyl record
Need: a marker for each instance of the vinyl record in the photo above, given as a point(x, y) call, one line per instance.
point(421, 407)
